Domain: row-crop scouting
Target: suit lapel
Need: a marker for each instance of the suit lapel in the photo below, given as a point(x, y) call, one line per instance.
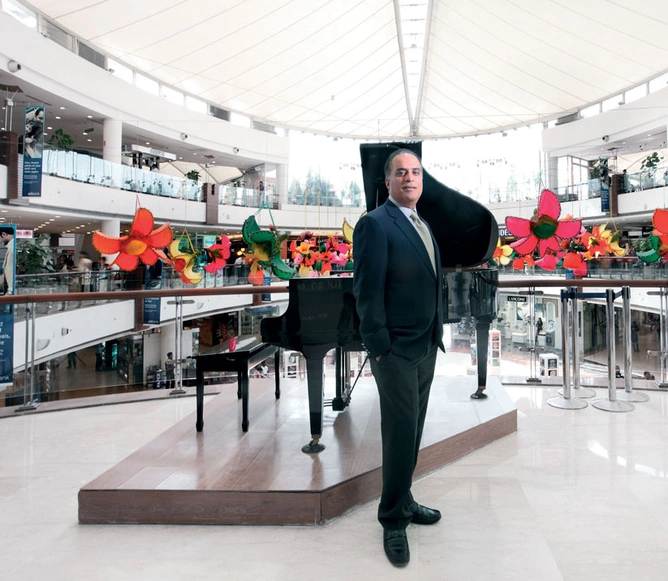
point(412, 236)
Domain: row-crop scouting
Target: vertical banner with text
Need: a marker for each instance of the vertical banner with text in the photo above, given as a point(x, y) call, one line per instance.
point(33, 149)
point(8, 276)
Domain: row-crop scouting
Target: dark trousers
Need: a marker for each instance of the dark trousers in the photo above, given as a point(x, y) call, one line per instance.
point(403, 388)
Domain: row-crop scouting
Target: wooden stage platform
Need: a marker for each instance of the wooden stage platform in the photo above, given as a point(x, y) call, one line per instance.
point(225, 476)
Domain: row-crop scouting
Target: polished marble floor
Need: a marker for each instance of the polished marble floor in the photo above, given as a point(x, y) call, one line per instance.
point(572, 495)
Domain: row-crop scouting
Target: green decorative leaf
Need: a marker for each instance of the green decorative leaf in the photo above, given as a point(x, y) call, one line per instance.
point(281, 270)
point(249, 228)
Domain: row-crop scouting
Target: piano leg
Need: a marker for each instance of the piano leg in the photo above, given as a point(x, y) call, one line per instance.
point(199, 397)
point(314, 376)
point(243, 389)
point(277, 373)
point(482, 340)
point(342, 399)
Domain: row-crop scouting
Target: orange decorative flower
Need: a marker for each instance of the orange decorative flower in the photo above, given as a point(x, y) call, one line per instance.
point(142, 244)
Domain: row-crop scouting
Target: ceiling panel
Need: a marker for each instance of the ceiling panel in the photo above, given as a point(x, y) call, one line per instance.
point(334, 66)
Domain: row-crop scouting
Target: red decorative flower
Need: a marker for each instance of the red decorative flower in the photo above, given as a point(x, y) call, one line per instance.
point(218, 254)
point(143, 243)
point(545, 230)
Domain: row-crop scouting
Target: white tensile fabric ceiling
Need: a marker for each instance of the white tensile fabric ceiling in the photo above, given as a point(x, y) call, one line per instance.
point(337, 67)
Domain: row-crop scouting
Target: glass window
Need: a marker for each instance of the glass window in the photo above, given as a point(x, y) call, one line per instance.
point(196, 105)
point(148, 85)
point(612, 102)
point(658, 83)
point(121, 71)
point(171, 95)
point(21, 13)
point(238, 119)
point(591, 110)
point(636, 93)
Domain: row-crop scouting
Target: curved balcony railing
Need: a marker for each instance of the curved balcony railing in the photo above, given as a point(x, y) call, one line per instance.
point(515, 358)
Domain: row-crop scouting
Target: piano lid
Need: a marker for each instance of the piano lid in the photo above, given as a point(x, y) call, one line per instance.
point(466, 231)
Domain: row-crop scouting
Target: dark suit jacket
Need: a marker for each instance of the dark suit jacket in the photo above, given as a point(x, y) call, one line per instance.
point(398, 295)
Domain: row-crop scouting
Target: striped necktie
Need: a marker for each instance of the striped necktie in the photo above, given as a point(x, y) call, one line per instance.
point(423, 231)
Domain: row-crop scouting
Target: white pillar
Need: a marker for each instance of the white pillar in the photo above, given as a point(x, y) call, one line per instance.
point(111, 227)
point(281, 183)
point(112, 140)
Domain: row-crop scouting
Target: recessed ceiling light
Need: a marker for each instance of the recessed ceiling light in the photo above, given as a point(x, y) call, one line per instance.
point(56, 216)
point(89, 140)
point(89, 116)
point(57, 117)
point(148, 143)
point(49, 127)
point(62, 107)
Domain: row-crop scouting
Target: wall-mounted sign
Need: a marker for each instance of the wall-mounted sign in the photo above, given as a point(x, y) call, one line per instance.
point(516, 299)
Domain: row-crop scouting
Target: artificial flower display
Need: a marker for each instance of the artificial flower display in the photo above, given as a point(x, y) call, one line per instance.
point(660, 223)
point(189, 261)
point(502, 253)
point(544, 231)
point(184, 260)
point(143, 243)
point(217, 255)
point(315, 258)
point(264, 251)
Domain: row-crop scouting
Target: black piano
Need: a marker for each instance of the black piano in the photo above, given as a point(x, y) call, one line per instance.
point(321, 312)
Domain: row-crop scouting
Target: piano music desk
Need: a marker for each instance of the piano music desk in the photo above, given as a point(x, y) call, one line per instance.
point(242, 361)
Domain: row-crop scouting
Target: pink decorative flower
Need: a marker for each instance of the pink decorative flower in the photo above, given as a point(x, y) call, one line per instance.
point(544, 230)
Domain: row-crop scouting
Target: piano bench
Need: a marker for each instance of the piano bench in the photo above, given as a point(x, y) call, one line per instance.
point(242, 362)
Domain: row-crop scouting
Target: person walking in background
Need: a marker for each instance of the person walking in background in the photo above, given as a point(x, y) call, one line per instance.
point(398, 294)
point(635, 330)
point(170, 365)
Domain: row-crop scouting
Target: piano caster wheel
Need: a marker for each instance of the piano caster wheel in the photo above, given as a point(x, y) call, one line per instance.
point(313, 447)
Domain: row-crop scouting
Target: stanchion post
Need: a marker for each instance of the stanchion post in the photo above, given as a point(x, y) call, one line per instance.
point(628, 394)
point(565, 401)
point(611, 404)
point(533, 343)
point(178, 303)
point(29, 367)
point(578, 390)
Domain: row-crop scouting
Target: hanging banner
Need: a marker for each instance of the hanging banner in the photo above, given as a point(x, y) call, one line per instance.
point(33, 148)
point(605, 184)
point(153, 305)
point(8, 276)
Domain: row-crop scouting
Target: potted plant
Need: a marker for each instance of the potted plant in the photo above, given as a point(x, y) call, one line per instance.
point(193, 175)
point(60, 140)
point(648, 170)
point(32, 257)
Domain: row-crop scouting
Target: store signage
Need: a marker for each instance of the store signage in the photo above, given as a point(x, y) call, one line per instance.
point(516, 299)
point(33, 148)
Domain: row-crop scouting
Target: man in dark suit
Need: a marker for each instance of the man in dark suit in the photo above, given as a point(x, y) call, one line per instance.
point(398, 295)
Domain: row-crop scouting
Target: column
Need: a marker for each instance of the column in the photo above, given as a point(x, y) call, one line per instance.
point(551, 172)
point(111, 227)
point(281, 184)
point(112, 142)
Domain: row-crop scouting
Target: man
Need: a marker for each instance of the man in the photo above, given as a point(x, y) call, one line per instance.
point(7, 277)
point(398, 295)
point(170, 365)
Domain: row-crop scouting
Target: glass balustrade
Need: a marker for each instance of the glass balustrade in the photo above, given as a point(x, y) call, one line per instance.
point(92, 170)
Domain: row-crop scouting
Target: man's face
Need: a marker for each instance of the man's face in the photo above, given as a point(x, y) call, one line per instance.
point(5, 238)
point(405, 181)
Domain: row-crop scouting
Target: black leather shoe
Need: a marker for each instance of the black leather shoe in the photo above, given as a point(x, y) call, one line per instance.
point(423, 515)
point(395, 544)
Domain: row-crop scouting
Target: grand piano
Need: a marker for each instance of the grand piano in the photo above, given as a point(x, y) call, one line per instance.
point(321, 312)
